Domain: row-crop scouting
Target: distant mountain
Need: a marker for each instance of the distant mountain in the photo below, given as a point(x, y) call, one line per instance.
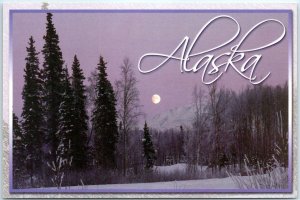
point(173, 118)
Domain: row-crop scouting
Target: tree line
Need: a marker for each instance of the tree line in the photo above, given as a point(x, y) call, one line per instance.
point(54, 136)
point(227, 127)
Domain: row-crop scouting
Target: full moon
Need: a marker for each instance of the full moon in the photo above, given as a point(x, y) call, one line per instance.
point(155, 98)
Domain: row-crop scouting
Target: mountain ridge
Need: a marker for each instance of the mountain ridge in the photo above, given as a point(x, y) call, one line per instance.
point(173, 118)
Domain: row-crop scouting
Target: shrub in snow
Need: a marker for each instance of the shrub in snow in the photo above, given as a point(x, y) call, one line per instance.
point(272, 177)
point(59, 165)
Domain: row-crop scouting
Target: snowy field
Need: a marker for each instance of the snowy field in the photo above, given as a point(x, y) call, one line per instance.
point(214, 183)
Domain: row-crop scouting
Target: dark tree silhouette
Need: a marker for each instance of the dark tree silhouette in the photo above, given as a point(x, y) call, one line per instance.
point(19, 154)
point(105, 120)
point(149, 152)
point(53, 78)
point(32, 112)
point(79, 136)
point(66, 123)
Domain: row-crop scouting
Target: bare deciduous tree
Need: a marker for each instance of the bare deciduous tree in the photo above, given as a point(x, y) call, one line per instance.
point(91, 98)
point(128, 106)
point(218, 101)
point(199, 123)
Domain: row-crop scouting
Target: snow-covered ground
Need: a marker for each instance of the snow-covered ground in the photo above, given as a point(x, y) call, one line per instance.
point(214, 183)
point(223, 183)
point(180, 167)
point(278, 179)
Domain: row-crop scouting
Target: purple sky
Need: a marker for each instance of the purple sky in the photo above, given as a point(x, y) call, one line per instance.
point(119, 35)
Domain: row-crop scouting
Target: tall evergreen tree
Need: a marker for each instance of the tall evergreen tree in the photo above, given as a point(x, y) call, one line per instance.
point(66, 127)
point(79, 137)
point(149, 152)
point(60, 161)
point(105, 120)
point(18, 153)
point(53, 76)
point(32, 110)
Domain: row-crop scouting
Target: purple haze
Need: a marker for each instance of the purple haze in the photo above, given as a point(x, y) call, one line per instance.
point(119, 35)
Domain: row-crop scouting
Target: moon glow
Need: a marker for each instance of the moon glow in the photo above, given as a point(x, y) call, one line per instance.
point(155, 98)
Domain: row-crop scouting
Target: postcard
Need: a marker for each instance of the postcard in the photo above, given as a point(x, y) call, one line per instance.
point(149, 100)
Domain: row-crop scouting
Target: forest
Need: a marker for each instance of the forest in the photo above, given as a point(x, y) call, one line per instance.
point(73, 134)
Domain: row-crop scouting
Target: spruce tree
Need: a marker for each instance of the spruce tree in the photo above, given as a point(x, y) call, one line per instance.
point(66, 125)
point(105, 120)
point(32, 111)
point(79, 137)
point(18, 153)
point(149, 152)
point(53, 76)
point(61, 159)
